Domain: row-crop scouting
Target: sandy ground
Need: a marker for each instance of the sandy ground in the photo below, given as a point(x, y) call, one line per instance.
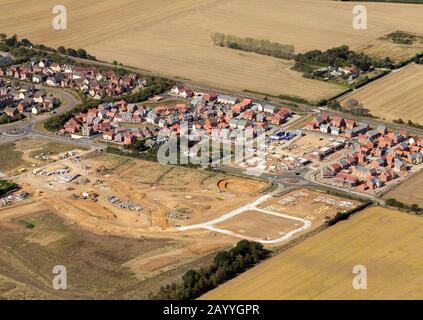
point(309, 204)
point(159, 190)
point(192, 196)
point(123, 272)
point(259, 225)
point(99, 265)
point(173, 37)
point(395, 96)
point(387, 243)
point(308, 143)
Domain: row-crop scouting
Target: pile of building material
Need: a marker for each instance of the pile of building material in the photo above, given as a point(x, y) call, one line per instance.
point(333, 202)
point(124, 204)
point(67, 179)
point(180, 214)
point(42, 156)
point(43, 172)
point(67, 155)
point(90, 195)
point(82, 180)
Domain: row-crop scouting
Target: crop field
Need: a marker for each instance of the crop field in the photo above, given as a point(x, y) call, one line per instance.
point(395, 96)
point(397, 52)
point(155, 35)
point(409, 192)
point(387, 243)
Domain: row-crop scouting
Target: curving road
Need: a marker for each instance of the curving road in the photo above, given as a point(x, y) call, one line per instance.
point(28, 126)
point(252, 206)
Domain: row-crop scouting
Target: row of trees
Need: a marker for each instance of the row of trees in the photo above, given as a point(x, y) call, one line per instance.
point(13, 42)
point(7, 186)
point(80, 53)
point(260, 46)
point(342, 57)
point(409, 123)
point(226, 265)
point(398, 204)
point(56, 123)
point(4, 118)
point(341, 216)
point(351, 106)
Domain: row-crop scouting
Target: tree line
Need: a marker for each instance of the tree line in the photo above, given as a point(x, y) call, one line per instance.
point(352, 106)
point(4, 118)
point(9, 44)
point(409, 123)
point(400, 205)
point(226, 265)
point(260, 46)
point(341, 216)
point(7, 186)
point(341, 57)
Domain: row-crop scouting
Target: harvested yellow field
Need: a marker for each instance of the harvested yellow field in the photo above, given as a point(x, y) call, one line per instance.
point(398, 95)
point(388, 243)
point(173, 37)
point(409, 192)
point(397, 52)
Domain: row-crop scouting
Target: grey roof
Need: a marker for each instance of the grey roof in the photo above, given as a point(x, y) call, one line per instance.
point(227, 98)
point(242, 123)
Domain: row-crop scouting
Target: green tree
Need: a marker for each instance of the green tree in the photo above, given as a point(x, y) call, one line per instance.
point(221, 258)
point(71, 52)
point(3, 37)
point(82, 53)
point(26, 43)
point(61, 50)
point(12, 41)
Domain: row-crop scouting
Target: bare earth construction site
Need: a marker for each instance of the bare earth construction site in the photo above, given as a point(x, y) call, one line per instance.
point(112, 196)
point(149, 201)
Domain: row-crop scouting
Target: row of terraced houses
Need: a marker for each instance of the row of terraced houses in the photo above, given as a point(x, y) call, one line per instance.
point(383, 155)
point(206, 114)
point(93, 82)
